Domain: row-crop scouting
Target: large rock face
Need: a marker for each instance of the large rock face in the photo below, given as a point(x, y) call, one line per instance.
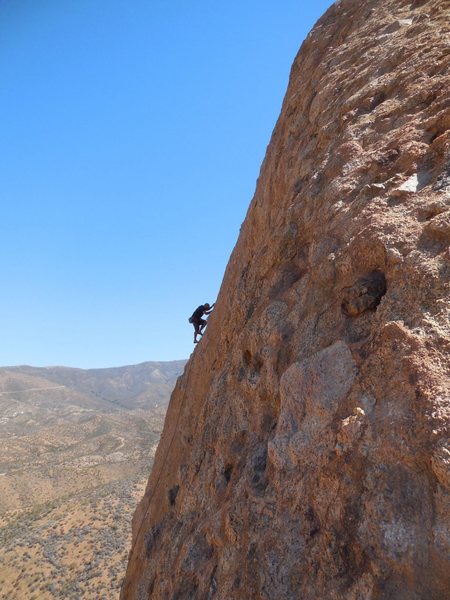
point(305, 452)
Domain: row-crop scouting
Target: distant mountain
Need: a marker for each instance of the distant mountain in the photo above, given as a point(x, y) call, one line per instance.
point(134, 386)
point(56, 417)
point(70, 437)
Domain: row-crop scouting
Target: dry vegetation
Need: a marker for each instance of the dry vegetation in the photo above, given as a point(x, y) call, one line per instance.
point(73, 465)
point(70, 549)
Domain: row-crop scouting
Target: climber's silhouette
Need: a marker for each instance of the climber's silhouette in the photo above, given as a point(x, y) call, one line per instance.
point(197, 321)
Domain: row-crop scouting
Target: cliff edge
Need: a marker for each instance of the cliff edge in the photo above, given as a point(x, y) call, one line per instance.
point(305, 451)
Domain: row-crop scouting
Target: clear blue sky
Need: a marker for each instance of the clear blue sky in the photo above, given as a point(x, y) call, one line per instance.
point(132, 132)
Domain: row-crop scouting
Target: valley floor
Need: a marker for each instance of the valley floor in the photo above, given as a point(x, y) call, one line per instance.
point(70, 549)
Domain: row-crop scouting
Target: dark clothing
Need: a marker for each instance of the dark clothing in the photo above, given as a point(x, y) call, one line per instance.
point(198, 314)
point(198, 323)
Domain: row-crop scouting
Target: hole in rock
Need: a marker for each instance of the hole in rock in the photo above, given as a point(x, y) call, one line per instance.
point(430, 136)
point(314, 522)
point(298, 186)
point(388, 157)
point(364, 295)
point(227, 472)
point(172, 494)
point(377, 100)
point(436, 131)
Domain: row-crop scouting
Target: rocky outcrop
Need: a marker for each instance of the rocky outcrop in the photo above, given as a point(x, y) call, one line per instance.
point(305, 452)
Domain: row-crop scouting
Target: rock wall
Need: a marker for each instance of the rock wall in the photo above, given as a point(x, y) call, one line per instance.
point(305, 452)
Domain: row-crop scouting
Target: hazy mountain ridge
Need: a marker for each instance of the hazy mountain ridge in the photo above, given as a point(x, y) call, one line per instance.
point(128, 384)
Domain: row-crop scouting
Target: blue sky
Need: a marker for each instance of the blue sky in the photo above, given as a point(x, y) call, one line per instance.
point(132, 137)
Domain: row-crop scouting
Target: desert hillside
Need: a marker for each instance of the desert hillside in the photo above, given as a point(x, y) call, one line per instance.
point(76, 445)
point(305, 449)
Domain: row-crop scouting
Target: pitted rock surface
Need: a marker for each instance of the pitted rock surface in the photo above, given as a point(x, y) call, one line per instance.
point(306, 452)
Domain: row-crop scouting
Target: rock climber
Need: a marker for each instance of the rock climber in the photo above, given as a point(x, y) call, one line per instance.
point(197, 321)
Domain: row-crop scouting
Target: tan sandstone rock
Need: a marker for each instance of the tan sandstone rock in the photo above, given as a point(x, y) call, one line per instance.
point(306, 453)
